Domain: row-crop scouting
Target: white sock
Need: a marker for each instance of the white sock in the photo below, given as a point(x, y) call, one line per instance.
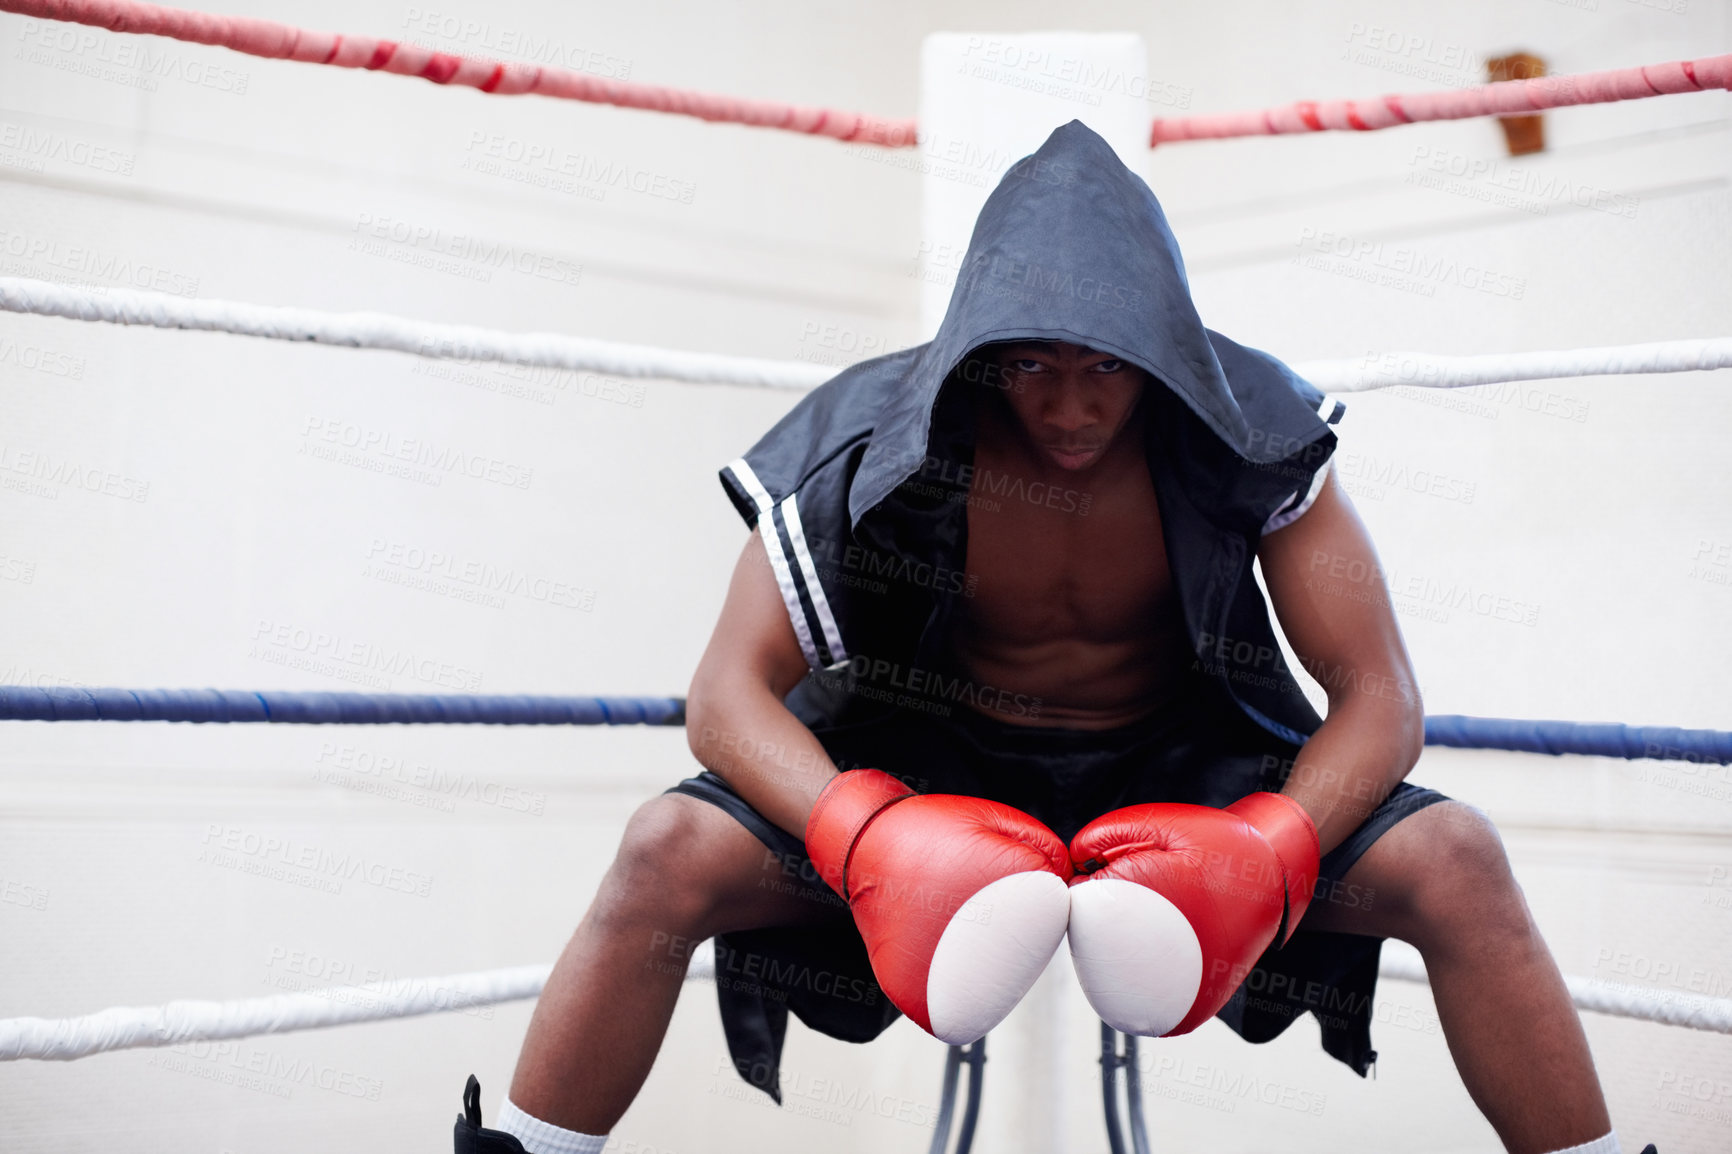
point(1606, 1145)
point(540, 1137)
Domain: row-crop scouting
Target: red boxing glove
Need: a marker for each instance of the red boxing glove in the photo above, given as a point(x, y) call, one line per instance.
point(961, 901)
point(1176, 903)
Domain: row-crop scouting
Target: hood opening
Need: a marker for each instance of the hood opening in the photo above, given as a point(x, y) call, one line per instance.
point(1073, 246)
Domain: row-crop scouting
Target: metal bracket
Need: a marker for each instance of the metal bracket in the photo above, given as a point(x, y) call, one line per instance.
point(974, 1055)
point(1113, 1060)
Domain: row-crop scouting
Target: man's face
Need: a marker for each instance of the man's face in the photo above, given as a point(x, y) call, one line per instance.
point(1070, 402)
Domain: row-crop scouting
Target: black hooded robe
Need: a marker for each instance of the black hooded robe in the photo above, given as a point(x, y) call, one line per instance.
point(858, 494)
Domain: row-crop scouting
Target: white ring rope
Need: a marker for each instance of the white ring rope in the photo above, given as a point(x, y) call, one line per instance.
point(131, 1027)
point(466, 342)
point(1617, 999)
point(1429, 371)
point(399, 334)
point(128, 1027)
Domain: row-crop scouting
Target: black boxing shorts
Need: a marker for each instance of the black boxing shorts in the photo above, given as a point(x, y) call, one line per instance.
point(1197, 748)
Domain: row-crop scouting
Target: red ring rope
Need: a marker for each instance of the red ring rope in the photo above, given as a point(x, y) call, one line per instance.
point(1500, 99)
point(277, 41)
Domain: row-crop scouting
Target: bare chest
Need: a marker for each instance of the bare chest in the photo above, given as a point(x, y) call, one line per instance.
point(1054, 562)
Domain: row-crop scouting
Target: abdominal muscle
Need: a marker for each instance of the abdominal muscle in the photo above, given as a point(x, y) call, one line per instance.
point(1070, 683)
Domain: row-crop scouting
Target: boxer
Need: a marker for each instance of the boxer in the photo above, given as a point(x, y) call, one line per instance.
point(995, 667)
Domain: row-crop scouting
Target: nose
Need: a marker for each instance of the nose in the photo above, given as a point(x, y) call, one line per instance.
point(1067, 408)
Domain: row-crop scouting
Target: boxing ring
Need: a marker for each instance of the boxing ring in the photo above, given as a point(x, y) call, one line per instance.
point(182, 1022)
point(179, 1022)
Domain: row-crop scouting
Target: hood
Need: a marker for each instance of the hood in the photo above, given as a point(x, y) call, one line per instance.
point(1073, 246)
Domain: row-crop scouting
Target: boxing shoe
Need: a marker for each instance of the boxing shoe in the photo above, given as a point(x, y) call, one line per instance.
point(961, 901)
point(470, 1138)
point(1173, 904)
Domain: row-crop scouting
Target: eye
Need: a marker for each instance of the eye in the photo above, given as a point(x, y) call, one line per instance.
point(1026, 365)
point(1109, 366)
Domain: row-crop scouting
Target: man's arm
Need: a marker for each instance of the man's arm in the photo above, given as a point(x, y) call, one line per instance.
point(1330, 597)
point(736, 724)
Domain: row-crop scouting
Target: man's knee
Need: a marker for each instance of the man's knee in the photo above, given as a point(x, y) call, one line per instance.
point(1460, 882)
point(667, 868)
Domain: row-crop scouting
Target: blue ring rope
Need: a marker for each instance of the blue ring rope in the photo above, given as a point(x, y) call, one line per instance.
point(57, 703)
point(1609, 739)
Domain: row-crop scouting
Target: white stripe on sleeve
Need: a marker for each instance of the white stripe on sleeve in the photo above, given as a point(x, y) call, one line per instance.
point(814, 588)
point(1289, 512)
point(778, 556)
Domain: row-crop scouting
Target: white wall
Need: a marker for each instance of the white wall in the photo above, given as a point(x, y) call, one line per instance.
point(1611, 529)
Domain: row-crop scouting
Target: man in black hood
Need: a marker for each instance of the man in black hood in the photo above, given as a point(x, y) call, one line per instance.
point(1016, 563)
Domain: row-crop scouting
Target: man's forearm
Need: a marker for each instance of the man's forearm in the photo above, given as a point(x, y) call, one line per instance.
point(750, 740)
point(1353, 761)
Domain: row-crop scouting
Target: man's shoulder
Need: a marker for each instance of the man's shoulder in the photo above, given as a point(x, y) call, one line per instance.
point(820, 436)
point(1264, 382)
